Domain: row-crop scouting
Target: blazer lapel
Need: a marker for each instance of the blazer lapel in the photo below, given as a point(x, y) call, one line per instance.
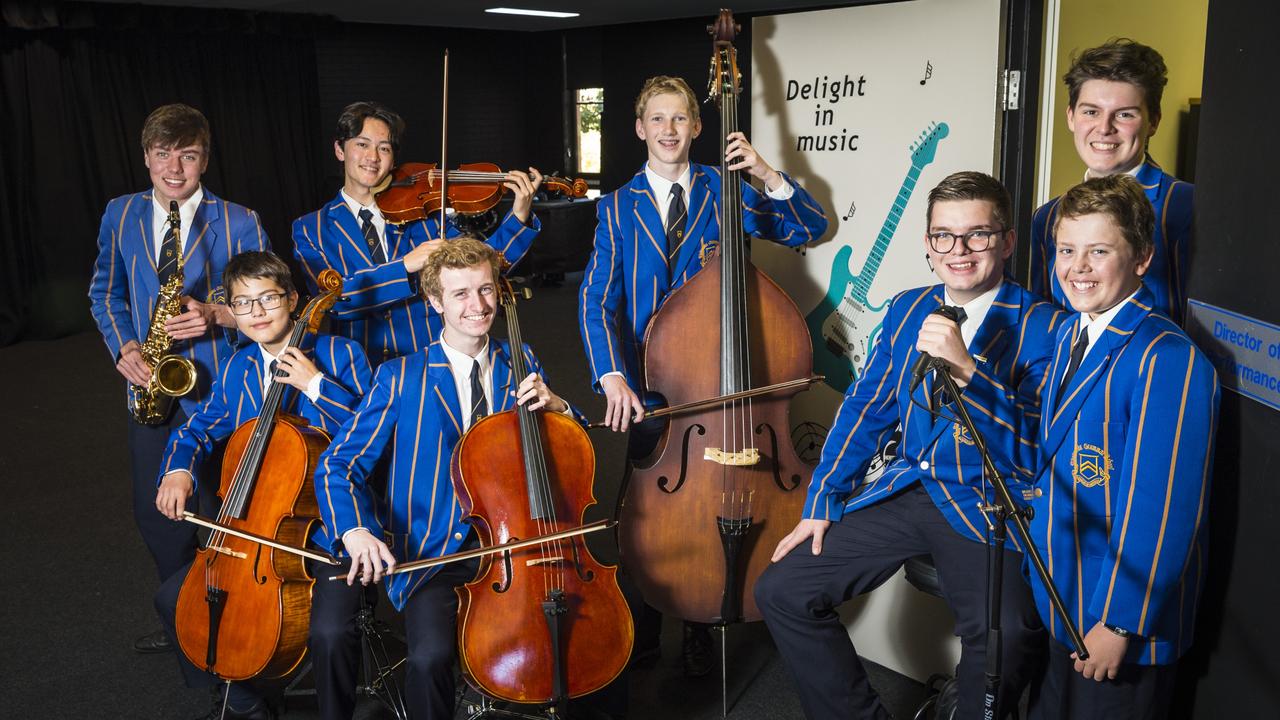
point(201, 240)
point(138, 233)
point(1148, 177)
point(1064, 407)
point(355, 251)
point(501, 381)
point(253, 381)
point(394, 235)
point(703, 211)
point(651, 238)
point(444, 391)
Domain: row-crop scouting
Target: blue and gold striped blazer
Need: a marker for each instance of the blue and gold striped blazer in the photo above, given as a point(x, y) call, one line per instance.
point(412, 411)
point(1173, 200)
point(1121, 509)
point(125, 284)
point(1012, 349)
point(628, 277)
point(382, 307)
point(237, 398)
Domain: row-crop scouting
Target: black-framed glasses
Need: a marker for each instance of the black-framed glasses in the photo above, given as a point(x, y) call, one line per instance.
point(244, 306)
point(974, 240)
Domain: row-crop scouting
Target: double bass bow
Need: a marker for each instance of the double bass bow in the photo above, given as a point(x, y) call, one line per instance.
point(545, 622)
point(244, 607)
point(724, 485)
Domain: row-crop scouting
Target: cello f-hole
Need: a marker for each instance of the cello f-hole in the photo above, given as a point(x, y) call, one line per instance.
point(664, 482)
point(583, 574)
point(258, 577)
point(773, 443)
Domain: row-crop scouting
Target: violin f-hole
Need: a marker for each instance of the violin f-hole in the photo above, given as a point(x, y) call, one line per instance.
point(664, 483)
point(773, 455)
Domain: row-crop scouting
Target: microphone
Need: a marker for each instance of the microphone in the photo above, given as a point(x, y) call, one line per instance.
point(926, 360)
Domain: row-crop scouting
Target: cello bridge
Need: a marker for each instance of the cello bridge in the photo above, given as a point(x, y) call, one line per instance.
point(543, 561)
point(227, 551)
point(750, 456)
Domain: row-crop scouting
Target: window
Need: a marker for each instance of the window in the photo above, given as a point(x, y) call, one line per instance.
point(590, 109)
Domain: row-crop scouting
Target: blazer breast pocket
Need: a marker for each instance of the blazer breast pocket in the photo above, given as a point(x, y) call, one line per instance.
point(1093, 465)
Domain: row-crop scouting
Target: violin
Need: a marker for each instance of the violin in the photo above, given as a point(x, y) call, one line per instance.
point(415, 190)
point(245, 606)
point(546, 622)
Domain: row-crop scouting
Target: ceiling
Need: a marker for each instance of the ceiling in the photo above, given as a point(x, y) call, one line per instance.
point(471, 13)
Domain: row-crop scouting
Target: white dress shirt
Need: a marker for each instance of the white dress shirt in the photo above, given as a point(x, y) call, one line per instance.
point(460, 364)
point(160, 221)
point(975, 312)
point(313, 385)
point(1098, 325)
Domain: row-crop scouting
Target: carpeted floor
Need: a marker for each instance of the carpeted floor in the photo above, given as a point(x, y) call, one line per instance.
point(79, 584)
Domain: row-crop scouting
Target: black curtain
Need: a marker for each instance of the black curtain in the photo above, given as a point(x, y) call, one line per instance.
point(76, 83)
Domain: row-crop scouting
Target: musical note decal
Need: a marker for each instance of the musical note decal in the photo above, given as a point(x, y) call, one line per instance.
point(853, 208)
point(928, 71)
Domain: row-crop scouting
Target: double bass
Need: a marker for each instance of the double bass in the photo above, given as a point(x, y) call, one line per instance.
point(724, 485)
point(545, 622)
point(244, 608)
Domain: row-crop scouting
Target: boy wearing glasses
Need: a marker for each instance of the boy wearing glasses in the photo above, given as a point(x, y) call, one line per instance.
point(326, 375)
point(1113, 109)
point(855, 534)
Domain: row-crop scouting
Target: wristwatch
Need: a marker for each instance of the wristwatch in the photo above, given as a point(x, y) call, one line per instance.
point(1117, 630)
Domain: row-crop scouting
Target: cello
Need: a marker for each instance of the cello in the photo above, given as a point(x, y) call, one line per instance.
point(724, 484)
point(546, 622)
point(244, 607)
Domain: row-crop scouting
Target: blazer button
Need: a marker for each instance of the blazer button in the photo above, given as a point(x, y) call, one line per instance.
point(457, 536)
point(924, 464)
point(1039, 492)
point(387, 315)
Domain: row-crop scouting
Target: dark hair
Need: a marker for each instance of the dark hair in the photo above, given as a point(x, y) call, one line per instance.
point(257, 264)
point(176, 125)
point(1119, 197)
point(1120, 60)
point(459, 252)
point(351, 121)
point(970, 185)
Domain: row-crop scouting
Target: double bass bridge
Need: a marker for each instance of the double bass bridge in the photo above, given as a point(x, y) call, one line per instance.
point(741, 458)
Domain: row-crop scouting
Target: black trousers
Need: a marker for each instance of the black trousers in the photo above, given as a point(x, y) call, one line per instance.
point(1139, 692)
point(430, 618)
point(799, 594)
point(172, 544)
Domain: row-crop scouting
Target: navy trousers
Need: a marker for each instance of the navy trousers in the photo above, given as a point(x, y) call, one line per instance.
point(172, 544)
point(799, 594)
point(1139, 692)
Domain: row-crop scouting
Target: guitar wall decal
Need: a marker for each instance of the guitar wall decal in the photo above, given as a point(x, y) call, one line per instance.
point(845, 325)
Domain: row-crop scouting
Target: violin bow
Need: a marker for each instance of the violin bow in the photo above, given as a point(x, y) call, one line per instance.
point(481, 552)
point(444, 146)
point(254, 537)
point(700, 404)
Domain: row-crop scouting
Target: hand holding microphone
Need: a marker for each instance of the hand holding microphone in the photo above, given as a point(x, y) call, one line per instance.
point(940, 341)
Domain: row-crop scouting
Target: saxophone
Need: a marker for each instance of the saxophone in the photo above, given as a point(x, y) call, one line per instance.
point(171, 375)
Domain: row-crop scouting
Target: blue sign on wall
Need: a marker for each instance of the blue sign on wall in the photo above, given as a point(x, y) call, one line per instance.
point(1245, 351)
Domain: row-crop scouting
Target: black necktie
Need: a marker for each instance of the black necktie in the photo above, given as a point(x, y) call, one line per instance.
point(1077, 357)
point(676, 213)
point(371, 237)
point(479, 406)
point(939, 396)
point(169, 248)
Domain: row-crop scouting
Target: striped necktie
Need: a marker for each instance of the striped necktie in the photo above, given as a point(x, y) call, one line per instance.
point(169, 248)
point(479, 406)
point(676, 214)
point(939, 396)
point(371, 237)
point(1077, 357)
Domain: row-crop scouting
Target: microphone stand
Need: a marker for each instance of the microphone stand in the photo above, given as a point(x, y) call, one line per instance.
point(999, 514)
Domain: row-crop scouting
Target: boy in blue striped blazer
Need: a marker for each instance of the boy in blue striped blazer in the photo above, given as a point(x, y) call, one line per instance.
point(857, 532)
point(137, 250)
point(324, 390)
point(379, 261)
point(418, 409)
point(1113, 109)
point(1126, 445)
point(652, 235)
